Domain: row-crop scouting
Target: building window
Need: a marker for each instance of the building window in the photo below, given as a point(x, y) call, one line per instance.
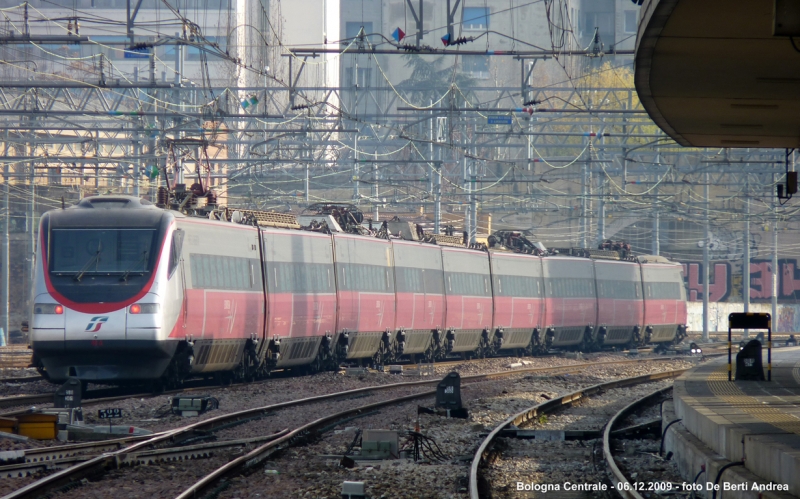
point(364, 77)
point(631, 21)
point(475, 18)
point(477, 66)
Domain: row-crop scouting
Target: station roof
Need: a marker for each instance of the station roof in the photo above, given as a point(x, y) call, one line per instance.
point(711, 73)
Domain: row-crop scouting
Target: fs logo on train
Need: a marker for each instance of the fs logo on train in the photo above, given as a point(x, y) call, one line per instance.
point(95, 324)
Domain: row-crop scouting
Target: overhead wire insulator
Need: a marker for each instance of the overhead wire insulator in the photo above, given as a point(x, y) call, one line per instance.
point(447, 40)
point(408, 48)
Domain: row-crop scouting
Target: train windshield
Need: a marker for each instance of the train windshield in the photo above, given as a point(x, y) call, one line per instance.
point(80, 252)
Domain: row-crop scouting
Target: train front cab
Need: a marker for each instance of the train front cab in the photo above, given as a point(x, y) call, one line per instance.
point(102, 269)
point(664, 300)
point(518, 302)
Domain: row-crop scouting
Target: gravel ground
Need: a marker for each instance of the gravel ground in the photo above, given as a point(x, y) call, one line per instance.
point(306, 475)
point(306, 472)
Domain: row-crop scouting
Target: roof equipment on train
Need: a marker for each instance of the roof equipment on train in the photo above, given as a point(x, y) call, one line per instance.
point(513, 240)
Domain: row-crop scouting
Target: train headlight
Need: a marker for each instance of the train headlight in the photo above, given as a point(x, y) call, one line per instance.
point(48, 308)
point(143, 308)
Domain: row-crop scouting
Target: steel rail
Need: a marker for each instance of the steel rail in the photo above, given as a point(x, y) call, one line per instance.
point(152, 456)
point(258, 455)
point(551, 406)
point(21, 379)
point(621, 483)
point(115, 459)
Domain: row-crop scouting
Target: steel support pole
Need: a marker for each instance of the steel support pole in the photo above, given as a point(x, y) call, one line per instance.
point(775, 271)
point(473, 203)
point(437, 208)
point(746, 255)
point(137, 173)
point(5, 257)
point(656, 225)
point(465, 182)
point(584, 205)
point(356, 169)
point(307, 186)
point(706, 262)
point(375, 192)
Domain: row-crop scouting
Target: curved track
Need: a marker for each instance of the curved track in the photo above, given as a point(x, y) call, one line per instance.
point(547, 407)
point(622, 485)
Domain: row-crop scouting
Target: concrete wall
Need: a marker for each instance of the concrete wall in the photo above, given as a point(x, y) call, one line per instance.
point(788, 315)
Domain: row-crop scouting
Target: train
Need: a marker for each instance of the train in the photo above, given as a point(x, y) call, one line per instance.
point(131, 291)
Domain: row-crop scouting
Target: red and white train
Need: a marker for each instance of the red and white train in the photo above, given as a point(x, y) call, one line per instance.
point(129, 292)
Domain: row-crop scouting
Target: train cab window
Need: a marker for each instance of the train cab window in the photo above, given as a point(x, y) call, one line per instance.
point(175, 251)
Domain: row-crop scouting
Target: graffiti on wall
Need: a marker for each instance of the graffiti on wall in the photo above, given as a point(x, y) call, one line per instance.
point(720, 283)
point(719, 287)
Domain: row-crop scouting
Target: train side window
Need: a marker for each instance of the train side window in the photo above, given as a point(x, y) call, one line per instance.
point(175, 251)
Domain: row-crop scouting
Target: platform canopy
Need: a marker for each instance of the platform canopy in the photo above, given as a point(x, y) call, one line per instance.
point(714, 73)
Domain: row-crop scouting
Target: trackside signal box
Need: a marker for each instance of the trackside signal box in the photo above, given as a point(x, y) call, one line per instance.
point(448, 392)
point(68, 396)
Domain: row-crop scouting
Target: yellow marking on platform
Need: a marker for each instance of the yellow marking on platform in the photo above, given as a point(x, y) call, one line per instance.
point(729, 393)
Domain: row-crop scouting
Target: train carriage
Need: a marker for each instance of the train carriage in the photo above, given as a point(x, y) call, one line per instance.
point(620, 305)
point(224, 301)
point(365, 294)
point(301, 296)
point(664, 300)
point(570, 301)
point(518, 300)
point(419, 283)
point(468, 290)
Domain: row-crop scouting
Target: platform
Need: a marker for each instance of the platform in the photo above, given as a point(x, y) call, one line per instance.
point(757, 422)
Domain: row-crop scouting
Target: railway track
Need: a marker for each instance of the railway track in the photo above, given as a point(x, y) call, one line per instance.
point(479, 489)
point(16, 356)
point(103, 395)
point(622, 485)
point(21, 379)
point(165, 445)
